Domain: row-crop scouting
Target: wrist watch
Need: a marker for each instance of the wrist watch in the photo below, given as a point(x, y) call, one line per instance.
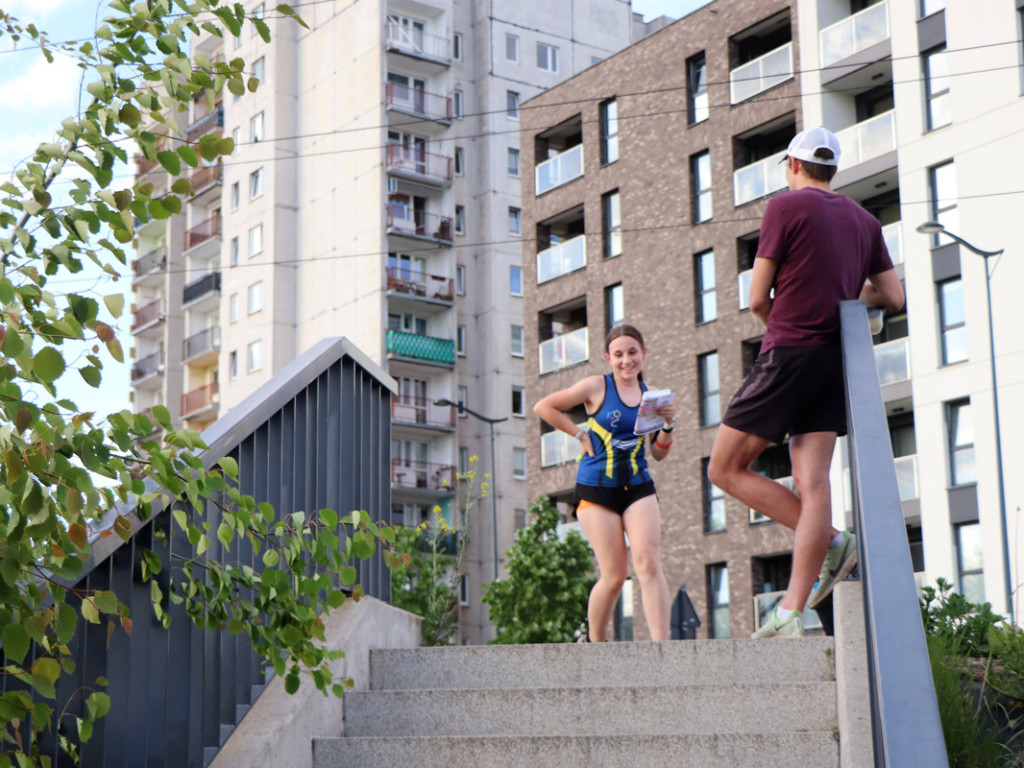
point(669, 427)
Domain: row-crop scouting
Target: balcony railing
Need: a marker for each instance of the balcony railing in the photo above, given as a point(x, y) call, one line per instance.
point(558, 448)
point(413, 160)
point(760, 74)
point(199, 399)
point(906, 477)
point(144, 165)
point(893, 236)
point(406, 473)
point(208, 283)
point(415, 42)
point(405, 220)
point(757, 517)
point(562, 259)
point(743, 287)
point(418, 102)
point(147, 314)
point(893, 361)
point(853, 34)
point(150, 261)
point(202, 232)
point(754, 181)
point(765, 603)
point(205, 176)
point(411, 283)
point(416, 347)
point(207, 340)
point(559, 170)
point(868, 139)
point(147, 366)
point(408, 409)
point(563, 351)
point(203, 125)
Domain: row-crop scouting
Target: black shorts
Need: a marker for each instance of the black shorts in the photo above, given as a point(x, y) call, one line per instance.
point(792, 390)
point(616, 498)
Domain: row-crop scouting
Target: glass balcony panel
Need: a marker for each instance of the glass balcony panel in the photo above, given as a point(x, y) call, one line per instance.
point(560, 169)
point(893, 236)
point(562, 259)
point(760, 74)
point(893, 361)
point(558, 448)
point(563, 351)
point(743, 284)
point(758, 179)
point(418, 347)
point(868, 139)
point(853, 34)
point(906, 477)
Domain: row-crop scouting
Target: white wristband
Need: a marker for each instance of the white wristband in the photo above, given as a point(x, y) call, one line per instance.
point(580, 434)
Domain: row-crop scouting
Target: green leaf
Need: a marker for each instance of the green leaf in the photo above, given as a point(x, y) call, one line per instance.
point(348, 574)
point(48, 364)
point(67, 620)
point(162, 416)
point(271, 558)
point(45, 672)
point(225, 535)
point(171, 203)
point(287, 10)
point(115, 303)
point(237, 87)
point(230, 467)
point(188, 155)
point(106, 602)
point(329, 517)
point(92, 376)
point(16, 642)
point(262, 29)
point(291, 682)
point(89, 611)
point(97, 704)
point(170, 161)
point(181, 187)
point(122, 199)
point(130, 115)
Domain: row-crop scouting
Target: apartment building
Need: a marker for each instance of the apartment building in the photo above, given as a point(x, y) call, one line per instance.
point(650, 173)
point(374, 193)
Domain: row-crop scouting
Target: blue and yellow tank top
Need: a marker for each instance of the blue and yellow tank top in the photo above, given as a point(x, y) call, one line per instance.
point(618, 458)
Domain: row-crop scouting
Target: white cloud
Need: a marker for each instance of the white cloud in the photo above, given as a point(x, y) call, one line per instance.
point(43, 86)
point(36, 10)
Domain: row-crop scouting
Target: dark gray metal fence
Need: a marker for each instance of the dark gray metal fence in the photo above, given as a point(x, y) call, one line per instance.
point(315, 436)
point(904, 711)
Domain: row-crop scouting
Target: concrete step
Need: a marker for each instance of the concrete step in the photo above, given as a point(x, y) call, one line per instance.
point(577, 665)
point(594, 711)
point(748, 750)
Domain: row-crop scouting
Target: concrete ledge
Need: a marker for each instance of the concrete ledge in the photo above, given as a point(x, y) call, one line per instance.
point(279, 729)
point(853, 699)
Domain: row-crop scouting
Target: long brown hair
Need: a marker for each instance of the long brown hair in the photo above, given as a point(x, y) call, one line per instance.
point(625, 330)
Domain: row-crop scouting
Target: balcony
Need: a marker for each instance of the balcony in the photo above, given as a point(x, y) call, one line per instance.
point(421, 411)
point(559, 170)
point(147, 316)
point(204, 177)
point(421, 349)
point(417, 285)
point(205, 230)
point(406, 473)
point(417, 43)
point(148, 369)
point(562, 259)
point(765, 603)
point(760, 74)
point(558, 448)
point(150, 264)
point(757, 180)
point(201, 287)
point(853, 34)
point(868, 139)
point(743, 287)
point(144, 165)
point(893, 236)
point(755, 516)
point(893, 361)
point(407, 221)
point(202, 347)
point(415, 101)
point(418, 165)
point(564, 351)
point(200, 402)
point(906, 477)
point(204, 124)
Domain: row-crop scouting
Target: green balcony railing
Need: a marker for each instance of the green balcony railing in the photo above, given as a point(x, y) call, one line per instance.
point(427, 348)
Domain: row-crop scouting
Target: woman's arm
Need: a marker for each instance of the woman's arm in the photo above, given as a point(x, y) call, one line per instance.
point(551, 408)
point(661, 441)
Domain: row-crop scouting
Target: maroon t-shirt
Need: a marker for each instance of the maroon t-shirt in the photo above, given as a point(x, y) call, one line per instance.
point(825, 245)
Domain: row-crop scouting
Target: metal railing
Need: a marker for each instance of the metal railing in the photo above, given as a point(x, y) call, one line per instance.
point(418, 102)
point(205, 176)
point(150, 261)
point(204, 124)
point(408, 409)
point(416, 42)
point(322, 424)
point(904, 712)
point(202, 232)
point(853, 34)
point(558, 448)
point(559, 170)
point(199, 399)
point(147, 314)
point(562, 259)
point(893, 361)
point(426, 348)
point(754, 181)
point(207, 340)
point(147, 366)
point(201, 286)
point(760, 74)
point(421, 285)
point(565, 350)
point(417, 162)
point(868, 139)
point(406, 220)
point(408, 473)
point(893, 236)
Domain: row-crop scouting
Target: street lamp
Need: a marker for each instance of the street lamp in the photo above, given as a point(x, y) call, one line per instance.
point(494, 478)
point(935, 228)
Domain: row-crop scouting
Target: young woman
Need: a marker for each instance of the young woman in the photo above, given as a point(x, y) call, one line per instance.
point(614, 491)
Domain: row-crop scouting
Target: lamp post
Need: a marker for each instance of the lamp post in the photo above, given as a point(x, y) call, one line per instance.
point(494, 478)
point(935, 228)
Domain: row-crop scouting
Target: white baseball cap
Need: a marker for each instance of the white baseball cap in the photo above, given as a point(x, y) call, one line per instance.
point(807, 142)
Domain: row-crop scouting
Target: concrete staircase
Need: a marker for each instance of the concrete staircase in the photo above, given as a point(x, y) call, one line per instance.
point(684, 703)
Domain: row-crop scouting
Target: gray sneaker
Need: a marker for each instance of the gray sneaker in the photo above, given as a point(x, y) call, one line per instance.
point(793, 626)
point(839, 561)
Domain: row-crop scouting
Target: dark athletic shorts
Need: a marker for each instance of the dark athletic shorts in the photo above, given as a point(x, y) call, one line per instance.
point(792, 390)
point(616, 498)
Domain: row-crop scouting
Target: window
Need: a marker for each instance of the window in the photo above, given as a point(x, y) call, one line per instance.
point(961, 443)
point(236, 139)
point(522, 518)
point(611, 224)
point(511, 48)
point(457, 46)
point(255, 297)
point(460, 280)
point(259, 68)
point(943, 197)
point(463, 460)
point(718, 600)
point(519, 463)
point(518, 401)
point(704, 284)
point(256, 183)
point(515, 221)
point(714, 502)
point(513, 162)
point(237, 41)
point(460, 160)
point(515, 280)
point(969, 563)
point(707, 373)
point(609, 131)
point(517, 342)
point(256, 128)
point(460, 219)
point(236, 195)
point(233, 303)
point(233, 256)
point(936, 88)
point(255, 356)
point(460, 341)
point(512, 105)
point(407, 323)
point(255, 240)
point(614, 307)
point(457, 106)
point(697, 88)
point(928, 7)
point(952, 320)
point(232, 365)
point(547, 57)
point(700, 185)
point(258, 13)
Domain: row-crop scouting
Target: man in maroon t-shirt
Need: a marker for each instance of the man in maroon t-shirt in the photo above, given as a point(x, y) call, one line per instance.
point(817, 249)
